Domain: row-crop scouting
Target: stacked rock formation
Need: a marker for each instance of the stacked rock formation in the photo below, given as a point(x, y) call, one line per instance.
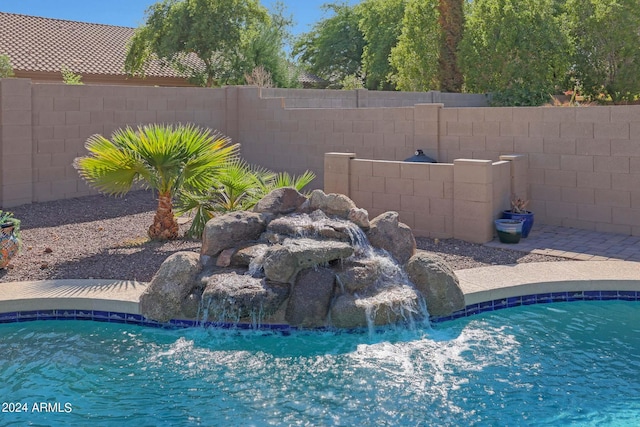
point(309, 262)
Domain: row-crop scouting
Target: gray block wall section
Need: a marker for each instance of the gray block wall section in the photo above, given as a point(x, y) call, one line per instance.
point(583, 163)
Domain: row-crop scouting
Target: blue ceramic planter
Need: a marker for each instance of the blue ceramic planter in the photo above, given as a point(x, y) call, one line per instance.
point(527, 218)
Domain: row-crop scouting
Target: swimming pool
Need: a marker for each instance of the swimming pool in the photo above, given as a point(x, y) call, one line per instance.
point(563, 363)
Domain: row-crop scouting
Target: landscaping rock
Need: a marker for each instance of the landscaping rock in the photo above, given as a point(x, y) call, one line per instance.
point(280, 201)
point(283, 261)
point(230, 297)
point(332, 203)
point(230, 230)
point(388, 233)
point(358, 275)
point(310, 298)
point(174, 281)
point(437, 282)
point(378, 306)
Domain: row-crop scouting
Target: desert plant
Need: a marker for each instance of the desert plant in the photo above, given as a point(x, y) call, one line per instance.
point(10, 238)
point(239, 187)
point(69, 77)
point(519, 205)
point(8, 220)
point(165, 158)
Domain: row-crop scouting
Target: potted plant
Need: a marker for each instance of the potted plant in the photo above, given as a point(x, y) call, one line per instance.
point(519, 211)
point(509, 230)
point(10, 238)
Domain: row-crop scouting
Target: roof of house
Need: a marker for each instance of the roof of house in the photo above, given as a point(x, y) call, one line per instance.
point(46, 45)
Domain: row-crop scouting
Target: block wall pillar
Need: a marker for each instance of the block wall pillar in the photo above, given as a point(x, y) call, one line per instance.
point(473, 207)
point(16, 143)
point(337, 173)
point(519, 170)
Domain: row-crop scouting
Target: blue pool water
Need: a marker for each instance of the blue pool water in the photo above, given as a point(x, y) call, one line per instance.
point(554, 364)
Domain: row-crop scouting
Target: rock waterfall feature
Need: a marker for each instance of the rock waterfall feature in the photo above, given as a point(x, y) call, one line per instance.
point(309, 262)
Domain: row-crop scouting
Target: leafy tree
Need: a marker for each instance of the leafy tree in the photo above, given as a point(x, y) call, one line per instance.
point(515, 49)
point(6, 70)
point(239, 186)
point(606, 36)
point(333, 48)
point(381, 25)
point(415, 57)
point(264, 48)
point(201, 38)
point(451, 22)
point(166, 158)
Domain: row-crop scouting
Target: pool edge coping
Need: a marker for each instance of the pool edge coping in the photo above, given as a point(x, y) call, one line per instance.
point(485, 289)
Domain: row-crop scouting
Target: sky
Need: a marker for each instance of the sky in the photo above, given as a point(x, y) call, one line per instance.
point(130, 13)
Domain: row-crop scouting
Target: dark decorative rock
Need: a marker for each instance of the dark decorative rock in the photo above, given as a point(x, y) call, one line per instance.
point(358, 275)
point(386, 305)
point(243, 257)
point(280, 201)
point(388, 233)
point(230, 230)
point(232, 296)
point(332, 203)
point(310, 298)
point(174, 281)
point(283, 261)
point(437, 282)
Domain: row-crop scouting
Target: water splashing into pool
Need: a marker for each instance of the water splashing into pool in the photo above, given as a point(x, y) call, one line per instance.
point(561, 364)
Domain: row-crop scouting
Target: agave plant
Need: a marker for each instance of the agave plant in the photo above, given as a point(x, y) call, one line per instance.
point(165, 158)
point(239, 187)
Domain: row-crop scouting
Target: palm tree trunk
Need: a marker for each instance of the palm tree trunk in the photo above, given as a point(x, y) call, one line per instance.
point(165, 225)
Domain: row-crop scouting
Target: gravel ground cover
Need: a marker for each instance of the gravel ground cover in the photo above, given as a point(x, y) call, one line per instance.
point(104, 237)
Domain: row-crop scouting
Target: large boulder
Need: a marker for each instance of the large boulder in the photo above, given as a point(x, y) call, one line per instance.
point(387, 233)
point(440, 286)
point(316, 224)
point(310, 298)
point(358, 275)
point(332, 203)
point(280, 201)
point(230, 297)
point(231, 230)
point(377, 306)
point(172, 284)
point(282, 262)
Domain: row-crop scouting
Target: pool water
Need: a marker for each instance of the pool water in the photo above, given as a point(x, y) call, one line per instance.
point(554, 364)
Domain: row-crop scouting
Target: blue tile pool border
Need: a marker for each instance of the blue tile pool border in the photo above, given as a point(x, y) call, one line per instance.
point(468, 311)
point(543, 298)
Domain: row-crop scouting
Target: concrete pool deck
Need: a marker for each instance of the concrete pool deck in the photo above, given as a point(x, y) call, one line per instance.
point(478, 284)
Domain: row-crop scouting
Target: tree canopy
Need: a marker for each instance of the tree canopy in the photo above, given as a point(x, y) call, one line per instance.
point(381, 25)
point(606, 39)
point(207, 40)
point(515, 49)
point(415, 57)
point(333, 48)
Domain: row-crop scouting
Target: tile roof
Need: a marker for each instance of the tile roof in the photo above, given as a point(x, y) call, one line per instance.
point(44, 44)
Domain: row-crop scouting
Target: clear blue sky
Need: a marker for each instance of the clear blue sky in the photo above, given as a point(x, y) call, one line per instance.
point(130, 13)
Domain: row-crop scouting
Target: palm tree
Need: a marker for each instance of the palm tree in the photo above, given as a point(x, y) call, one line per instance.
point(165, 158)
point(239, 186)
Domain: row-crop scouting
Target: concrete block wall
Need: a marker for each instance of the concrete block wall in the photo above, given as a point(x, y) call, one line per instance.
point(363, 98)
point(296, 139)
point(54, 121)
point(459, 199)
point(583, 162)
point(16, 148)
